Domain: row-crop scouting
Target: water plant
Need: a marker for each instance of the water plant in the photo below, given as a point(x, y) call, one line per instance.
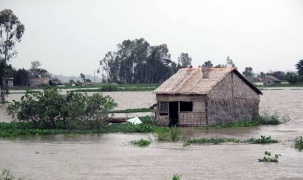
point(141, 143)
point(171, 134)
point(268, 158)
point(7, 175)
point(176, 177)
point(262, 140)
point(299, 143)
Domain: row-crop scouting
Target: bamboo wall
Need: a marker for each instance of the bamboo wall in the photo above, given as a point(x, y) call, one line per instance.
point(232, 100)
point(192, 119)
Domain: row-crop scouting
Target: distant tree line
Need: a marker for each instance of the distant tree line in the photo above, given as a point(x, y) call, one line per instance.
point(290, 76)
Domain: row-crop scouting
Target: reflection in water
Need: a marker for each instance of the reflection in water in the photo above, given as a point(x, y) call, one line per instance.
point(111, 156)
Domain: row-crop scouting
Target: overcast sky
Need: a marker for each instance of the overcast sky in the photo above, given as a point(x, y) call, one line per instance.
point(70, 37)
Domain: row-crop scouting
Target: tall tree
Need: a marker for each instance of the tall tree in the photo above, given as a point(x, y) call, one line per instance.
point(11, 31)
point(135, 61)
point(21, 78)
point(82, 76)
point(184, 60)
point(230, 63)
point(207, 64)
point(248, 72)
point(299, 67)
point(36, 72)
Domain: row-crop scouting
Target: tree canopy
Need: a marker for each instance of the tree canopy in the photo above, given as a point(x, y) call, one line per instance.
point(136, 61)
point(207, 64)
point(299, 67)
point(11, 31)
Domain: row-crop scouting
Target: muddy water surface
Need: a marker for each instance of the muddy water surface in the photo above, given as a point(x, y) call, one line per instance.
point(110, 156)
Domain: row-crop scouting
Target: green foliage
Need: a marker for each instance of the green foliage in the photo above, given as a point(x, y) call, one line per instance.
point(210, 141)
point(51, 110)
point(11, 31)
point(171, 134)
point(299, 143)
point(262, 140)
point(268, 158)
point(176, 177)
point(136, 61)
point(6, 175)
point(141, 143)
point(265, 119)
point(299, 67)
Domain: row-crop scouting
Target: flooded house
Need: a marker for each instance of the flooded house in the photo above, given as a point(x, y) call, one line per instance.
point(206, 96)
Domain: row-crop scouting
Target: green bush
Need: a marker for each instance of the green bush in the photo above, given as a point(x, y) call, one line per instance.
point(268, 158)
point(262, 140)
point(141, 143)
point(51, 110)
point(299, 143)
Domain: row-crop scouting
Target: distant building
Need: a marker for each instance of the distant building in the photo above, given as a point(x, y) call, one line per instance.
point(271, 80)
point(258, 81)
point(9, 82)
point(39, 81)
point(54, 82)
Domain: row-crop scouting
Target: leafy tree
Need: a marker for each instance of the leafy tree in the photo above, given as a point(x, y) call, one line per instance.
point(230, 63)
point(248, 72)
point(137, 62)
point(50, 109)
point(184, 60)
point(21, 78)
point(36, 72)
point(82, 76)
point(299, 67)
point(71, 82)
point(279, 74)
point(11, 31)
point(220, 66)
point(88, 80)
point(207, 64)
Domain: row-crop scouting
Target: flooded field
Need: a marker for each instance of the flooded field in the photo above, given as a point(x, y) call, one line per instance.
point(111, 156)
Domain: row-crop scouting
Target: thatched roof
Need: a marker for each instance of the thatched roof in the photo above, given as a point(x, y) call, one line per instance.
point(197, 81)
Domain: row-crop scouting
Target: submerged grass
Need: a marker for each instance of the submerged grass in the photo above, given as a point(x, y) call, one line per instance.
point(262, 140)
point(141, 143)
point(299, 143)
point(14, 129)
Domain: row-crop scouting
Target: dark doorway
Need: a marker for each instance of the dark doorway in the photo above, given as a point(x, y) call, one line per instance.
point(173, 113)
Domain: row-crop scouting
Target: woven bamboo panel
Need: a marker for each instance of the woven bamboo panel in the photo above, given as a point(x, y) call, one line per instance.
point(192, 119)
point(199, 106)
point(163, 120)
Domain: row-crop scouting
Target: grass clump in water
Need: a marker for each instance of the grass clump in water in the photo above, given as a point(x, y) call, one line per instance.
point(176, 177)
point(299, 143)
point(262, 140)
point(6, 175)
point(268, 158)
point(210, 141)
point(171, 134)
point(141, 143)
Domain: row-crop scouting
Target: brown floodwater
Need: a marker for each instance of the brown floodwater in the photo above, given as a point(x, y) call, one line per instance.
point(111, 156)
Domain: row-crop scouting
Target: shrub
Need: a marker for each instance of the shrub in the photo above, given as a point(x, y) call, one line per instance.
point(50, 109)
point(173, 134)
point(262, 140)
point(268, 158)
point(299, 143)
point(141, 143)
point(176, 177)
